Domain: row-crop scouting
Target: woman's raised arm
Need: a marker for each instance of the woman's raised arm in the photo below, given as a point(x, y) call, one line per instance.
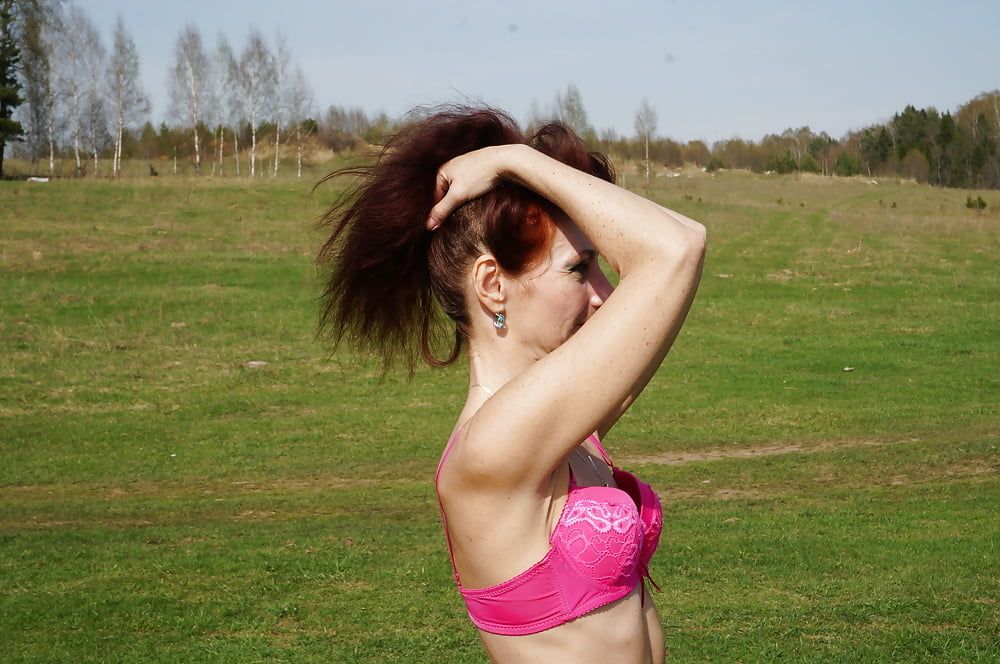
point(548, 409)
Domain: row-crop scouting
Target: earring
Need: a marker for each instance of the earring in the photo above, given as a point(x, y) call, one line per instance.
point(499, 320)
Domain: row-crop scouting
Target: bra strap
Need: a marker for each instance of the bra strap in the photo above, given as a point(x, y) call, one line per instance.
point(600, 448)
point(444, 519)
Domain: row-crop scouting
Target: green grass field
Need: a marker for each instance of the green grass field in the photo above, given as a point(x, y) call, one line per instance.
point(162, 501)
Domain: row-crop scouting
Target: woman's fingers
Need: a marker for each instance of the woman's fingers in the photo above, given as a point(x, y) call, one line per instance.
point(447, 200)
point(449, 196)
point(438, 214)
point(441, 186)
point(461, 180)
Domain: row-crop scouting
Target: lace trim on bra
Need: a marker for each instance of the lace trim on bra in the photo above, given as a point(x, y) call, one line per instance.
point(571, 536)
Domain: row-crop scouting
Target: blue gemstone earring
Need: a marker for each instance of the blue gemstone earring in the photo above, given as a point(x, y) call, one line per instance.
point(499, 320)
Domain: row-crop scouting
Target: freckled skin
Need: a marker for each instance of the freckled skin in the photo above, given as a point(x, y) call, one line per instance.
point(559, 294)
point(572, 358)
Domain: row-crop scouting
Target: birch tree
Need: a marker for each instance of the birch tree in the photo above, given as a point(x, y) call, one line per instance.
point(255, 79)
point(569, 109)
point(37, 23)
point(608, 138)
point(212, 113)
point(128, 102)
point(52, 34)
point(95, 108)
point(300, 105)
point(645, 126)
point(189, 85)
point(70, 74)
point(227, 103)
point(282, 83)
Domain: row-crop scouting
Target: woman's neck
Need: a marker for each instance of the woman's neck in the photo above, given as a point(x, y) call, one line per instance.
point(493, 365)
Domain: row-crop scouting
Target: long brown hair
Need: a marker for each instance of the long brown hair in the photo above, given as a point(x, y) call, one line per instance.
point(389, 276)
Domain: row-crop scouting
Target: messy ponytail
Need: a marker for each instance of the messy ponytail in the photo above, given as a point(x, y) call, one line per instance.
point(389, 276)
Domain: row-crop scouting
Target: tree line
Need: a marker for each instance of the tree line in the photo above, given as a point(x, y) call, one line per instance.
point(943, 149)
point(63, 94)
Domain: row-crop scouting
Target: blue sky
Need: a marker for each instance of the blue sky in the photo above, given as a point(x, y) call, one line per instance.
point(712, 69)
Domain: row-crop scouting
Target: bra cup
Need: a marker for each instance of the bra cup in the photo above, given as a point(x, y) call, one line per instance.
point(599, 551)
point(649, 508)
point(652, 524)
point(600, 535)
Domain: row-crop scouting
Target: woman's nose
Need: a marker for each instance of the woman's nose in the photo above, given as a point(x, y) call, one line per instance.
point(601, 288)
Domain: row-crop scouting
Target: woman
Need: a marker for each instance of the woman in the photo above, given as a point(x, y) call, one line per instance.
point(549, 542)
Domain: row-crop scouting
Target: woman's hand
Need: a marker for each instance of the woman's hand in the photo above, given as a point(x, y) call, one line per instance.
point(466, 178)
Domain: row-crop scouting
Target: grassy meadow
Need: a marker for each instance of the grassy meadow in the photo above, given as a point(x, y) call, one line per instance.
point(824, 433)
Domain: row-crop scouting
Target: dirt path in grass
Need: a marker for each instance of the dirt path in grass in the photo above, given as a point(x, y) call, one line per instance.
point(224, 489)
point(715, 454)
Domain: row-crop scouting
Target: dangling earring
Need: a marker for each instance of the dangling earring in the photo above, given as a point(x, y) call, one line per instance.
point(499, 320)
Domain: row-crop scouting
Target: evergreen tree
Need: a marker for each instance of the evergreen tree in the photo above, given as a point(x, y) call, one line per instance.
point(846, 165)
point(945, 140)
point(984, 149)
point(876, 148)
point(10, 88)
point(782, 163)
point(912, 131)
point(35, 78)
point(819, 148)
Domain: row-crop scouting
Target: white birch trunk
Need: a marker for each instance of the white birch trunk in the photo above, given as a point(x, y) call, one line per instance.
point(298, 151)
point(52, 143)
point(253, 145)
point(77, 130)
point(277, 146)
point(119, 91)
point(647, 157)
point(175, 160)
point(221, 140)
point(76, 152)
point(197, 153)
point(118, 151)
point(236, 151)
point(193, 91)
point(280, 64)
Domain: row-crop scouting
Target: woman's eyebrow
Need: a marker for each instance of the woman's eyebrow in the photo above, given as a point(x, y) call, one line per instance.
point(582, 256)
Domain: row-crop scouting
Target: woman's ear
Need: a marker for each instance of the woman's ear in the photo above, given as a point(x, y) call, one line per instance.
point(489, 282)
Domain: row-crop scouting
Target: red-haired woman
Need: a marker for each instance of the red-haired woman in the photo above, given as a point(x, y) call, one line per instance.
point(549, 541)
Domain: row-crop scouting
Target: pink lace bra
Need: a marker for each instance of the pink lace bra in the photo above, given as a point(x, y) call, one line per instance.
point(600, 550)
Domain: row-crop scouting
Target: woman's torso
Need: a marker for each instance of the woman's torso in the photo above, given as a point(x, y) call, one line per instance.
point(495, 537)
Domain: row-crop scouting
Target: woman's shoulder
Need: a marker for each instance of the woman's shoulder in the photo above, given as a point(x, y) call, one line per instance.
point(476, 462)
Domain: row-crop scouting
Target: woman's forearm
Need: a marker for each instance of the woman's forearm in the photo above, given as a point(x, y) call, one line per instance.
point(628, 230)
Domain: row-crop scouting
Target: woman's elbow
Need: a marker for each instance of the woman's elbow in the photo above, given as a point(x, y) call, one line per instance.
point(689, 247)
point(684, 245)
point(698, 238)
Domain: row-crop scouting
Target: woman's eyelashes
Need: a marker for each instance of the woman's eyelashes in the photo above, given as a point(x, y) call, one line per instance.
point(581, 269)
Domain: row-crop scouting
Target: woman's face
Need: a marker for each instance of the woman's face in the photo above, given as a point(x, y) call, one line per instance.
point(556, 296)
